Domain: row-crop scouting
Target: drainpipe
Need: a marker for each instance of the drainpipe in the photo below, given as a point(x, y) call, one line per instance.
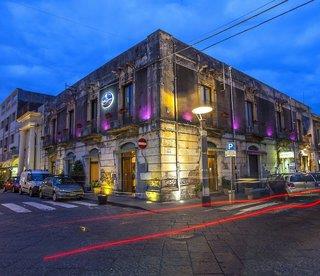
point(233, 130)
point(293, 140)
point(176, 118)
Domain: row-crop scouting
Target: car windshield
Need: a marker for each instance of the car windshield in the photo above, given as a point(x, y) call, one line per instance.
point(39, 176)
point(64, 181)
point(316, 176)
point(301, 178)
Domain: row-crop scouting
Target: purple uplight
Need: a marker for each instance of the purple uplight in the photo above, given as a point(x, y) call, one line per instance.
point(78, 132)
point(105, 125)
point(187, 116)
point(293, 136)
point(269, 131)
point(145, 112)
point(236, 124)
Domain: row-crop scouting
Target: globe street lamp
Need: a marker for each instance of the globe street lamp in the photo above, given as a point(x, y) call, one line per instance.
point(199, 111)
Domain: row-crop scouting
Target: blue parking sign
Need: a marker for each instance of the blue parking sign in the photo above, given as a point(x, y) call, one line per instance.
point(231, 146)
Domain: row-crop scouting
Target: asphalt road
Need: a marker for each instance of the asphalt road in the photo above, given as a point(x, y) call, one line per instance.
point(81, 238)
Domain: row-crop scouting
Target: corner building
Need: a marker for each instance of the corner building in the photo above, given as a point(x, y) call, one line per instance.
point(149, 92)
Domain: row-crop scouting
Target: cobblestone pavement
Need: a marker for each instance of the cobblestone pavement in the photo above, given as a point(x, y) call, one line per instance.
point(283, 242)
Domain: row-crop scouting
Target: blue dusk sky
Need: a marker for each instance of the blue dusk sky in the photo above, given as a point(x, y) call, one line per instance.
point(46, 44)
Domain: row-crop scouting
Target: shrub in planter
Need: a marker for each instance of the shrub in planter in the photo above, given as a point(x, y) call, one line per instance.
point(96, 187)
point(153, 193)
point(198, 190)
point(106, 183)
point(77, 173)
point(226, 185)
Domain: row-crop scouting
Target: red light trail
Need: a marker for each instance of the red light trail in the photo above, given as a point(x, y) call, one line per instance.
point(163, 234)
point(177, 208)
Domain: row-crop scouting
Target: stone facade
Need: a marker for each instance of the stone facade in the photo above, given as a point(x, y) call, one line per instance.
point(149, 92)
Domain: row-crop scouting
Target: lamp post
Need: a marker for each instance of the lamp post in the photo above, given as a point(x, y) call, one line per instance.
point(199, 111)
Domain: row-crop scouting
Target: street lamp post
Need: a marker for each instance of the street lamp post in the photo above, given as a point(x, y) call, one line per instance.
point(199, 111)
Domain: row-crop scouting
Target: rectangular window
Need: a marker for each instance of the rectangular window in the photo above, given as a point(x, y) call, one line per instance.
point(71, 123)
point(94, 110)
point(279, 121)
point(12, 138)
point(299, 130)
point(53, 129)
point(128, 103)
point(205, 95)
point(249, 115)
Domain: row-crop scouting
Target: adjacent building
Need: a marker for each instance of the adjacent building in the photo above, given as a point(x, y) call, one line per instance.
point(15, 105)
point(147, 94)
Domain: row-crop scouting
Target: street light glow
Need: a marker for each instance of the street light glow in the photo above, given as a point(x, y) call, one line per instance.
point(202, 110)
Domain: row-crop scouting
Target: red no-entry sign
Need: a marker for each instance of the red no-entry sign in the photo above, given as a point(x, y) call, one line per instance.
point(142, 143)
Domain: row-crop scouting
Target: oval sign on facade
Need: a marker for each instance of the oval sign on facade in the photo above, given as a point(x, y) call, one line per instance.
point(107, 99)
point(142, 143)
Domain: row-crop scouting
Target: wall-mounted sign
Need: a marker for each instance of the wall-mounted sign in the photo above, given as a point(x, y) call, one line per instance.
point(231, 150)
point(107, 99)
point(142, 143)
point(286, 154)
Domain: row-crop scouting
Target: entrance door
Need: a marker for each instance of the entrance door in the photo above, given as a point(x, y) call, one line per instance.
point(212, 172)
point(94, 171)
point(128, 160)
point(254, 166)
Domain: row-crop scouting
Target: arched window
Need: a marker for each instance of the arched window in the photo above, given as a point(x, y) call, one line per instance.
point(253, 148)
point(128, 146)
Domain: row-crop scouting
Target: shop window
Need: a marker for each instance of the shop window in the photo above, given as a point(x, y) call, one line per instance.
point(205, 95)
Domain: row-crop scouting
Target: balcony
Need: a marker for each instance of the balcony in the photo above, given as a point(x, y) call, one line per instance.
point(90, 132)
point(49, 141)
point(253, 134)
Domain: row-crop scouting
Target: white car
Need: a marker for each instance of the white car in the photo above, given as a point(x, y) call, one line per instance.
point(31, 181)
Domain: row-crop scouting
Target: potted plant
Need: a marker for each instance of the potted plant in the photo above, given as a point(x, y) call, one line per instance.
point(106, 183)
point(198, 190)
point(153, 191)
point(77, 173)
point(96, 187)
point(226, 185)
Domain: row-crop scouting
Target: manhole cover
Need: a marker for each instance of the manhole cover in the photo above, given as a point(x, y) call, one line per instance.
point(182, 236)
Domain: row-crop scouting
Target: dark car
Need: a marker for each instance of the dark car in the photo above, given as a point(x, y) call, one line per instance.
point(12, 184)
point(316, 177)
point(60, 187)
point(277, 183)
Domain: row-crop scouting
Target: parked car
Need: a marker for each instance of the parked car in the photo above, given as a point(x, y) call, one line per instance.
point(316, 177)
point(291, 183)
point(31, 180)
point(60, 187)
point(12, 184)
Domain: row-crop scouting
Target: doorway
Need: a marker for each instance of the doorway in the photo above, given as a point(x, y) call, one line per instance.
point(253, 166)
point(128, 164)
point(212, 172)
point(94, 166)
